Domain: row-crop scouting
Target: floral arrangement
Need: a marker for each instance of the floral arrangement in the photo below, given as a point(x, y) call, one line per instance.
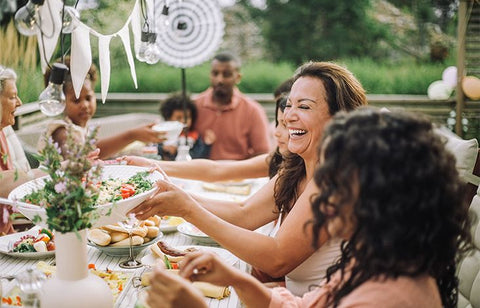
point(70, 193)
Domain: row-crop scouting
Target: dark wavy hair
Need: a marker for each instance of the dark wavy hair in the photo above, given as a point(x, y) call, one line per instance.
point(410, 216)
point(343, 92)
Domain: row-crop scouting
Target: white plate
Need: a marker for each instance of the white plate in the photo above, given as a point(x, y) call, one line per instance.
point(190, 230)
point(225, 255)
point(166, 227)
point(7, 241)
point(118, 209)
point(120, 251)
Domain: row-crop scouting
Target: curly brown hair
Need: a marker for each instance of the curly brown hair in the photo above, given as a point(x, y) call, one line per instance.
point(410, 215)
point(344, 92)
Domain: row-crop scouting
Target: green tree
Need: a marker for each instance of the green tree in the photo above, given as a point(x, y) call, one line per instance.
point(301, 30)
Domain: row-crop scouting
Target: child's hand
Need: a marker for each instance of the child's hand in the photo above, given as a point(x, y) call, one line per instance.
point(209, 137)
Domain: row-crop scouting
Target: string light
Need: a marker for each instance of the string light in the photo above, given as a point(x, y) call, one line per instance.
point(26, 18)
point(52, 99)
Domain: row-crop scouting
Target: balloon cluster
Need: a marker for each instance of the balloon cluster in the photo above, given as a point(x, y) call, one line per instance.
point(442, 89)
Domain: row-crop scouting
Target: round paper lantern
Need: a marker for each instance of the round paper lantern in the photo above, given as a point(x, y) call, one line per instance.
point(449, 76)
point(439, 90)
point(471, 87)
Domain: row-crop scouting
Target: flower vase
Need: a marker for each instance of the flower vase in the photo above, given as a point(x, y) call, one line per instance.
point(73, 285)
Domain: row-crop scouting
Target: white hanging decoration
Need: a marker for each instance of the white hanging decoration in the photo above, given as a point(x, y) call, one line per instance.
point(125, 36)
point(51, 26)
point(104, 58)
point(136, 29)
point(81, 57)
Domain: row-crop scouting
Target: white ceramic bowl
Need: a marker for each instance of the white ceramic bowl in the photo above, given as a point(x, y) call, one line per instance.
point(118, 209)
point(173, 129)
point(195, 234)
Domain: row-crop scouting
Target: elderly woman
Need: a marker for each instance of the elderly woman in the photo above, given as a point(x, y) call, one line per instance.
point(15, 169)
point(320, 89)
point(388, 187)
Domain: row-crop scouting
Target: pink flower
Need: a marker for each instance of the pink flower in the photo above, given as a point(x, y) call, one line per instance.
point(60, 187)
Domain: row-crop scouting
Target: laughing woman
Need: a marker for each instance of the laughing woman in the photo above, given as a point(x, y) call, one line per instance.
point(388, 187)
point(320, 89)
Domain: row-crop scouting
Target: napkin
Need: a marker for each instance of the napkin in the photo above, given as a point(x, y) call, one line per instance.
point(207, 289)
point(237, 189)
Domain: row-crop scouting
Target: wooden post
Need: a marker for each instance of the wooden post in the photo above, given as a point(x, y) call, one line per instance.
point(461, 33)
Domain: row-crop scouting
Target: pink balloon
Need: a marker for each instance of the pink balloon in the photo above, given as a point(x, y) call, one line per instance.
point(471, 87)
point(449, 76)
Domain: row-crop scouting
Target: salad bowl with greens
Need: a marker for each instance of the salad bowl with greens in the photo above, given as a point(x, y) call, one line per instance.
point(122, 187)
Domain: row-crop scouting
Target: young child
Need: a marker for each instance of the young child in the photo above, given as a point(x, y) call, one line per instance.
point(172, 110)
point(79, 111)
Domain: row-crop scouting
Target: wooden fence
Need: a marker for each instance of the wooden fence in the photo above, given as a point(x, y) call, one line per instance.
point(440, 111)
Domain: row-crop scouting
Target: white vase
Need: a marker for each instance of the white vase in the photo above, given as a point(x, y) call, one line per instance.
point(73, 285)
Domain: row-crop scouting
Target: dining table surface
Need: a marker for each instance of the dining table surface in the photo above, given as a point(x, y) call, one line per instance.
point(12, 266)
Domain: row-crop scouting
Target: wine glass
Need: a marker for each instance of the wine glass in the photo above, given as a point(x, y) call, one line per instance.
point(129, 224)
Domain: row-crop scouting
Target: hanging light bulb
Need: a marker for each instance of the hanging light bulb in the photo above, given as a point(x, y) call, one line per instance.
point(166, 22)
point(68, 19)
point(26, 18)
point(52, 99)
point(152, 54)
point(144, 43)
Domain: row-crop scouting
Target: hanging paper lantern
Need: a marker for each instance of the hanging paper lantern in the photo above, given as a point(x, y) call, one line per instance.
point(471, 87)
point(439, 90)
point(449, 76)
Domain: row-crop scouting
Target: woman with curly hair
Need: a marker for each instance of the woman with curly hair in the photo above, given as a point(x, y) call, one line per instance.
point(320, 89)
point(388, 187)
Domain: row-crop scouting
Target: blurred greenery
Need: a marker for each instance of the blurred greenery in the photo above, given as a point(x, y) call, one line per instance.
point(405, 77)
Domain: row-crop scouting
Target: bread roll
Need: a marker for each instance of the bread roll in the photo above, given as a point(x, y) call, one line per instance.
point(156, 219)
point(111, 228)
point(118, 236)
point(140, 231)
point(148, 223)
point(99, 237)
point(136, 240)
point(153, 232)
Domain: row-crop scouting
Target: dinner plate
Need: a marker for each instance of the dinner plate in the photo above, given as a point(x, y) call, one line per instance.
point(7, 241)
point(170, 223)
point(193, 232)
point(226, 256)
point(109, 213)
point(122, 251)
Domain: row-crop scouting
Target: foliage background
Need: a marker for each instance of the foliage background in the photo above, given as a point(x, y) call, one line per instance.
point(388, 45)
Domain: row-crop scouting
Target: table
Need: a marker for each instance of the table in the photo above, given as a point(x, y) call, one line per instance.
point(127, 299)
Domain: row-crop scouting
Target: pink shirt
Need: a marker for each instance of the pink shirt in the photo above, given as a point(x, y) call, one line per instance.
point(403, 292)
point(241, 127)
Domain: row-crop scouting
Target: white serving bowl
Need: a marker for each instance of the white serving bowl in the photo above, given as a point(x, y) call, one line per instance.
point(118, 210)
point(173, 129)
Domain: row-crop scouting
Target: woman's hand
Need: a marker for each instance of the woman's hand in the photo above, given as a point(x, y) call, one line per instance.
point(167, 200)
point(170, 290)
point(207, 266)
point(147, 135)
point(138, 161)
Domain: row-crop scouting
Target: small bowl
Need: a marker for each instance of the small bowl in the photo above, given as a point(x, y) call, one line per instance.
point(173, 129)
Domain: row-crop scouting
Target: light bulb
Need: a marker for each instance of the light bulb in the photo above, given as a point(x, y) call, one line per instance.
point(52, 99)
point(26, 18)
point(68, 23)
point(165, 9)
point(152, 54)
point(143, 47)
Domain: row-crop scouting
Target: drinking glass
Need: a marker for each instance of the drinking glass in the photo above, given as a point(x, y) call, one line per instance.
point(129, 224)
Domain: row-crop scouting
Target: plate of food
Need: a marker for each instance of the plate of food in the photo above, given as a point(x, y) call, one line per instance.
point(36, 243)
point(170, 223)
point(163, 251)
point(122, 188)
point(113, 240)
point(196, 234)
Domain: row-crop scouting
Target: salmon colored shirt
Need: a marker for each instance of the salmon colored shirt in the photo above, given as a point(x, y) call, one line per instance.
point(5, 164)
point(403, 292)
point(241, 128)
